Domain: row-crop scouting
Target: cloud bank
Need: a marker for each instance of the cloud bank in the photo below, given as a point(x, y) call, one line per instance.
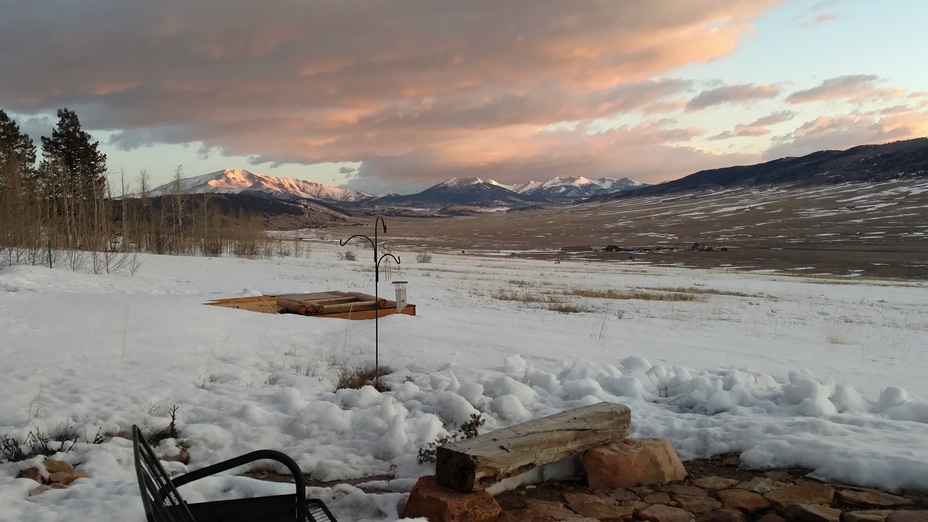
point(414, 91)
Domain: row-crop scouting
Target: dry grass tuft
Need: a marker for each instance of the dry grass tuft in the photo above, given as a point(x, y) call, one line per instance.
point(356, 377)
point(700, 291)
point(524, 297)
point(567, 308)
point(634, 294)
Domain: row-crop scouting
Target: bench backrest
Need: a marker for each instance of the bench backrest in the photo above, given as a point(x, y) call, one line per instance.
point(160, 498)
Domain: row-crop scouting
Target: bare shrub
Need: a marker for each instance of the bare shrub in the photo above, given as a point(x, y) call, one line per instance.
point(61, 439)
point(423, 258)
point(347, 255)
point(468, 430)
point(155, 436)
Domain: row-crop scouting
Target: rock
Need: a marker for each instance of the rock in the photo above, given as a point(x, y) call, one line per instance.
point(66, 477)
point(659, 513)
point(813, 513)
point(183, 457)
point(616, 496)
point(542, 511)
point(908, 516)
point(697, 505)
point(623, 495)
point(809, 493)
point(603, 511)
point(732, 460)
point(725, 515)
point(743, 500)
point(632, 462)
point(438, 504)
point(54, 466)
point(871, 498)
point(33, 474)
point(715, 482)
point(555, 510)
point(684, 490)
point(866, 516)
point(771, 517)
point(762, 485)
point(781, 476)
point(518, 515)
point(40, 489)
point(657, 498)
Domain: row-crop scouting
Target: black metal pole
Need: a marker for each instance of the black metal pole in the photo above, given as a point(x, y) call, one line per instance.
point(374, 243)
point(377, 301)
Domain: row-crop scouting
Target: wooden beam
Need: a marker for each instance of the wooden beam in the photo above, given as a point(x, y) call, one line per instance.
point(477, 463)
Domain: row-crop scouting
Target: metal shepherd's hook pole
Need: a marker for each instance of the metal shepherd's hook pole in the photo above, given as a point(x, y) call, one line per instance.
point(377, 259)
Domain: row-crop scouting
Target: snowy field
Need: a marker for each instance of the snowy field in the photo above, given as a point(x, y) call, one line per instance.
point(823, 373)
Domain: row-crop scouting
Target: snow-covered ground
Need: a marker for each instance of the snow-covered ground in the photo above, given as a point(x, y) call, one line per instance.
point(823, 373)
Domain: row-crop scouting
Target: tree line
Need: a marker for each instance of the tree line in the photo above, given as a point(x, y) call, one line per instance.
point(65, 210)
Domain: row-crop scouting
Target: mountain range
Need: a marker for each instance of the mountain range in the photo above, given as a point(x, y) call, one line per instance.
point(470, 192)
point(865, 163)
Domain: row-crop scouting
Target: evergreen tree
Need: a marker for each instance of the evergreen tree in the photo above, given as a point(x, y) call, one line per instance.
point(17, 151)
point(72, 165)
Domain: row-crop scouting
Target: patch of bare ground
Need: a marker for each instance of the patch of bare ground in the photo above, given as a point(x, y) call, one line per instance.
point(855, 229)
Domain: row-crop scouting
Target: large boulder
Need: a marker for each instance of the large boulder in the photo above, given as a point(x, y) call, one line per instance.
point(632, 462)
point(438, 504)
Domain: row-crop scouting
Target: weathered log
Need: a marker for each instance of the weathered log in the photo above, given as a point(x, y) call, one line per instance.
point(367, 297)
point(293, 307)
point(477, 463)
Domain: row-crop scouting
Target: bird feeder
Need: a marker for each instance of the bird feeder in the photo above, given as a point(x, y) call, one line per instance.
point(400, 287)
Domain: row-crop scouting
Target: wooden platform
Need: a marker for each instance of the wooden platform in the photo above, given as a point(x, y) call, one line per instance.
point(335, 304)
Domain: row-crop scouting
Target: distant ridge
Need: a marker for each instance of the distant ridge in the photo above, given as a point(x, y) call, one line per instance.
point(861, 163)
point(473, 192)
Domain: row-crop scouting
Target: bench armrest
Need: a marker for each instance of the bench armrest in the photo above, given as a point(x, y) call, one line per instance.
point(283, 458)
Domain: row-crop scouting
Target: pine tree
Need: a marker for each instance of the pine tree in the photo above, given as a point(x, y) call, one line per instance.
point(72, 165)
point(17, 152)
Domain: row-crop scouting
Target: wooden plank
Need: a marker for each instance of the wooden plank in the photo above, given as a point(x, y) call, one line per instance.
point(475, 464)
point(369, 314)
point(304, 297)
point(347, 307)
point(264, 304)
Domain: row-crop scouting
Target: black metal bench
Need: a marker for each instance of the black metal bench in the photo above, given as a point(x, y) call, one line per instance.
point(163, 503)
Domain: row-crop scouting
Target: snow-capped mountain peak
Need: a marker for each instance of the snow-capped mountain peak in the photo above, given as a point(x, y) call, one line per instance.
point(573, 187)
point(239, 181)
point(462, 182)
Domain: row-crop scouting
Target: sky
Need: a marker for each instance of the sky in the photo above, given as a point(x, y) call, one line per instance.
point(398, 95)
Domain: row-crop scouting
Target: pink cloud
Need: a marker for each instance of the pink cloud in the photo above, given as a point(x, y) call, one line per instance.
point(736, 94)
point(758, 127)
point(857, 88)
point(822, 18)
point(844, 131)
